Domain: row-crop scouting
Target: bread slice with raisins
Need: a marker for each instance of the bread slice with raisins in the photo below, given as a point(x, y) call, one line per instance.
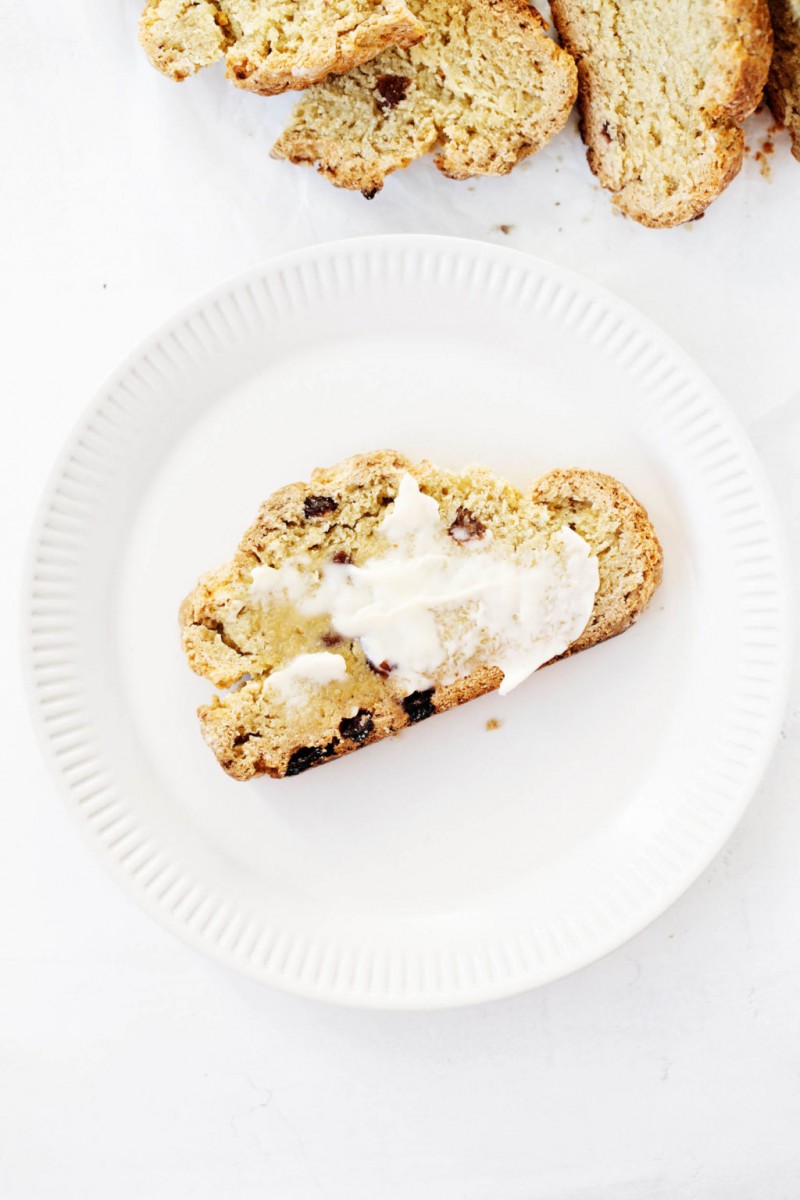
point(487, 86)
point(273, 46)
point(237, 642)
point(663, 91)
point(783, 86)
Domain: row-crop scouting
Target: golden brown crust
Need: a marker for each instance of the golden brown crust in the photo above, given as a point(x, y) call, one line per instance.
point(367, 41)
point(743, 62)
point(487, 86)
point(283, 48)
point(783, 86)
point(248, 737)
point(661, 115)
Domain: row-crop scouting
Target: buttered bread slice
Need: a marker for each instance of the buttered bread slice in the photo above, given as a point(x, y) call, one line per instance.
point(487, 87)
point(384, 591)
point(273, 46)
point(663, 91)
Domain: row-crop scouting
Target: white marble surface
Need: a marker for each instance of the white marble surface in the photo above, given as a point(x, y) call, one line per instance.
point(129, 1066)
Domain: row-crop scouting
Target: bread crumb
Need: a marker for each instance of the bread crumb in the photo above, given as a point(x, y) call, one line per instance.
point(764, 165)
point(504, 228)
point(493, 724)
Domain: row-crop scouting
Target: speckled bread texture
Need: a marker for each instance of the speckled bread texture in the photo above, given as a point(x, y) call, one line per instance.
point(783, 86)
point(235, 642)
point(486, 85)
point(664, 87)
point(273, 46)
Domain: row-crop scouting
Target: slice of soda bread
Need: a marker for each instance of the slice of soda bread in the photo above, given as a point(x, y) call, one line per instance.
point(663, 90)
point(783, 86)
point(273, 46)
point(306, 686)
point(486, 85)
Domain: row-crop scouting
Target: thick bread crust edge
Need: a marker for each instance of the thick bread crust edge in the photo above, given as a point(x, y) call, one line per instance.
point(783, 85)
point(554, 487)
point(743, 92)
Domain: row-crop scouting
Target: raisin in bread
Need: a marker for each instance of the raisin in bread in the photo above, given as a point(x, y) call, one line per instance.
point(783, 86)
point(486, 85)
point(273, 46)
point(663, 91)
point(300, 691)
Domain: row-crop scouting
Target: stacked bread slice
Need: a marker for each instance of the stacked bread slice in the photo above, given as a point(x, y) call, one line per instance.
point(273, 46)
point(486, 86)
point(663, 88)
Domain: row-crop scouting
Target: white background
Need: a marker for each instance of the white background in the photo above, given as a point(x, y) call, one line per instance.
point(129, 1066)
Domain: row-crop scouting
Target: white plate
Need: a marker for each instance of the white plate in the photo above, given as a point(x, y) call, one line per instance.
point(451, 864)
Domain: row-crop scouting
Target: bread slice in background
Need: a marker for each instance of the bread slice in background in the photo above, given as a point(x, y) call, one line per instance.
point(486, 85)
point(230, 639)
point(273, 46)
point(663, 91)
point(783, 86)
